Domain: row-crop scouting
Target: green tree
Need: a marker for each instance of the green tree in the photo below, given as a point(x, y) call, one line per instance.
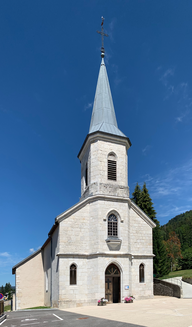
point(8, 288)
point(173, 247)
point(2, 290)
point(137, 195)
point(143, 200)
point(186, 261)
point(146, 204)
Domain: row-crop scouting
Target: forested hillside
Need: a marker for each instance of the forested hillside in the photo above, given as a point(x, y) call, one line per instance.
point(172, 243)
point(182, 226)
point(178, 233)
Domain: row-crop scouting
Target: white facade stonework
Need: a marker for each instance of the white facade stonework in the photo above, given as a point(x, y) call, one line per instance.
point(81, 235)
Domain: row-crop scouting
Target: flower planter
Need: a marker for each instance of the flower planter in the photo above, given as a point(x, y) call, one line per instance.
point(129, 299)
point(101, 303)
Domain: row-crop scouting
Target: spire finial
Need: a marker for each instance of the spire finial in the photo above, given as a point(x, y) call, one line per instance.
point(102, 37)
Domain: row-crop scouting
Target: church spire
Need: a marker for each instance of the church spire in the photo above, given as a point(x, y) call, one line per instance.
point(103, 116)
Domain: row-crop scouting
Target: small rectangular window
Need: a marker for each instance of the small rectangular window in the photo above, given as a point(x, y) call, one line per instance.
point(112, 170)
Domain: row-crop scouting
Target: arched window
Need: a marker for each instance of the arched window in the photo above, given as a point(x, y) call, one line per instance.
point(73, 274)
point(112, 225)
point(141, 273)
point(112, 167)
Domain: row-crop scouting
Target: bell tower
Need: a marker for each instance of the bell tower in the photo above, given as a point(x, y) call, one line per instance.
point(103, 155)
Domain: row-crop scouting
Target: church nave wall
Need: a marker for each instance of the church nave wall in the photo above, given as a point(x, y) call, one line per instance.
point(74, 232)
point(98, 229)
point(140, 234)
point(145, 289)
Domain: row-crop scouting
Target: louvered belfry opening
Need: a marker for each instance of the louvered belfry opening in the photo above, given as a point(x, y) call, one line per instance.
point(112, 167)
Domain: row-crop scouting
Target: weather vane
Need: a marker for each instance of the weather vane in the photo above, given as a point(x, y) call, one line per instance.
point(102, 37)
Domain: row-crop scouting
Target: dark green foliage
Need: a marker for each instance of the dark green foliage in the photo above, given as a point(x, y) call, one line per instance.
point(146, 204)
point(137, 195)
point(2, 290)
point(186, 261)
point(143, 200)
point(161, 265)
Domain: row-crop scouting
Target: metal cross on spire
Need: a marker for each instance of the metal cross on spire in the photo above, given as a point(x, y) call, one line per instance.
point(102, 37)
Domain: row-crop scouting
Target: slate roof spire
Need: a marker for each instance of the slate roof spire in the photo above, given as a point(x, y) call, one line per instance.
point(103, 115)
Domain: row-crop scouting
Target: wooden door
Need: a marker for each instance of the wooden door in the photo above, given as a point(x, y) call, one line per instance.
point(116, 289)
point(112, 284)
point(109, 289)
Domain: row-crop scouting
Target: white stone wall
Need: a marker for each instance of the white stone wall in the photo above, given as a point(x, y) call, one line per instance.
point(74, 232)
point(96, 156)
point(99, 154)
point(85, 233)
point(98, 224)
point(55, 268)
point(86, 230)
point(141, 237)
point(47, 272)
point(85, 160)
point(90, 280)
point(142, 290)
point(51, 270)
point(72, 295)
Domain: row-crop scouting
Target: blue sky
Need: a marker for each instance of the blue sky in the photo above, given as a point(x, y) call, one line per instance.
point(49, 64)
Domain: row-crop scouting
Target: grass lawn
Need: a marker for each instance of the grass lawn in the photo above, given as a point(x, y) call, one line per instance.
point(7, 308)
point(183, 273)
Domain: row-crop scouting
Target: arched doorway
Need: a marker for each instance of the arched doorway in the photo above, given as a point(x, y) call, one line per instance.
point(112, 284)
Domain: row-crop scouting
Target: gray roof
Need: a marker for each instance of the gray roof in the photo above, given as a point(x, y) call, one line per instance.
point(103, 116)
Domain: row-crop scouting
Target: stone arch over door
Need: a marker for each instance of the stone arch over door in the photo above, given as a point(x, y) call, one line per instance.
point(112, 283)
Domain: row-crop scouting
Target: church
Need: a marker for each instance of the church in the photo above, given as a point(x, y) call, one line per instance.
point(102, 246)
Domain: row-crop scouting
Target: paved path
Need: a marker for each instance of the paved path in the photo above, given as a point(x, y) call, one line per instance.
point(58, 318)
point(158, 312)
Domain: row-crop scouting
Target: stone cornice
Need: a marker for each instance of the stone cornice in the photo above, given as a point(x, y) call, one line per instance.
point(104, 137)
point(115, 254)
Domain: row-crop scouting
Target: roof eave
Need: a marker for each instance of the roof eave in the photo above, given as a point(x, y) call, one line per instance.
point(108, 135)
point(25, 260)
point(142, 213)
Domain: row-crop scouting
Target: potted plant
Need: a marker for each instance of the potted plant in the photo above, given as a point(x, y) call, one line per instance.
point(102, 301)
point(129, 299)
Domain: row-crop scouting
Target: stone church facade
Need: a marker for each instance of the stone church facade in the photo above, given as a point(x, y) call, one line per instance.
point(102, 246)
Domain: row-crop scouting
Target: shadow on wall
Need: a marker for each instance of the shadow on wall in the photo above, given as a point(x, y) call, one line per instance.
point(160, 287)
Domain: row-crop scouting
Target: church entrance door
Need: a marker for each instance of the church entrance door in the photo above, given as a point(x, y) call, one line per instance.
point(112, 284)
